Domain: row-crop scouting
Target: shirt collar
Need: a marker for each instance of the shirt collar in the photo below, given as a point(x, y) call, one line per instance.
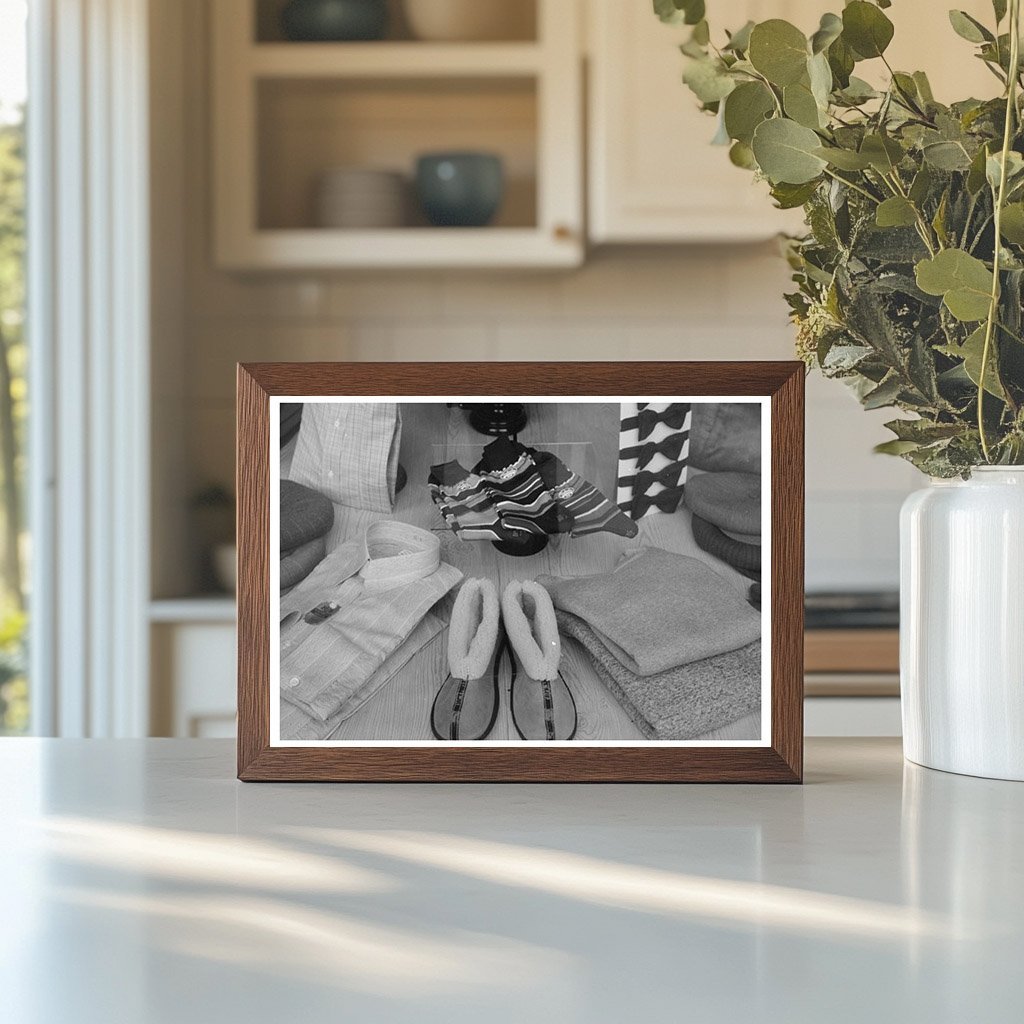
point(397, 554)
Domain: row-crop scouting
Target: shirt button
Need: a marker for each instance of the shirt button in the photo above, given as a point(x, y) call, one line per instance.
point(337, 423)
point(294, 681)
point(330, 473)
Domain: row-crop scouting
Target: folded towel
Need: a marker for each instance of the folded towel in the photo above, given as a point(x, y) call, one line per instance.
point(658, 610)
point(683, 702)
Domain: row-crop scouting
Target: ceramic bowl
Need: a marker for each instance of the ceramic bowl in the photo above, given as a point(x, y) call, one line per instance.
point(334, 20)
point(460, 189)
point(357, 197)
point(471, 20)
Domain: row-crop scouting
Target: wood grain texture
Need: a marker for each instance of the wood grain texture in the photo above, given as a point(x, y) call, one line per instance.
point(852, 650)
point(782, 762)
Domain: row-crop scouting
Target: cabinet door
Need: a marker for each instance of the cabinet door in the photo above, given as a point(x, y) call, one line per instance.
point(654, 175)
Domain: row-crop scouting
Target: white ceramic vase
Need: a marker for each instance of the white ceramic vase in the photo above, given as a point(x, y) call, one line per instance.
point(962, 624)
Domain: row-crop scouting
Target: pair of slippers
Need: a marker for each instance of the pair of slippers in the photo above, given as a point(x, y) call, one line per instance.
point(483, 630)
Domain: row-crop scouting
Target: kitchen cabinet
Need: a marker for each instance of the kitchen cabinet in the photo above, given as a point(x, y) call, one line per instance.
point(653, 175)
point(286, 113)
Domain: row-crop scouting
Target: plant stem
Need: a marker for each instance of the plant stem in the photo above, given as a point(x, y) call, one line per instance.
point(849, 184)
point(993, 309)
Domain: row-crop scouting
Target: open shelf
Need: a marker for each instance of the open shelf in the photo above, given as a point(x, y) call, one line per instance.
point(392, 60)
point(520, 17)
point(288, 113)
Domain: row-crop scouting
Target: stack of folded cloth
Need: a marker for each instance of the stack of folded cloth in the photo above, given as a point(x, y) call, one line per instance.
point(306, 519)
point(726, 511)
point(678, 647)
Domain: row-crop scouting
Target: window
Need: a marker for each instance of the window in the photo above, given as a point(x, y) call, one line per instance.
point(14, 548)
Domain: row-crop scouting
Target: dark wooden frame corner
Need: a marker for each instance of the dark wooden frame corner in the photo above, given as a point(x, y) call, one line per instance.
point(782, 761)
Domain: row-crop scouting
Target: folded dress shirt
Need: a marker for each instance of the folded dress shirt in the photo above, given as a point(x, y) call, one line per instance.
point(357, 607)
point(349, 451)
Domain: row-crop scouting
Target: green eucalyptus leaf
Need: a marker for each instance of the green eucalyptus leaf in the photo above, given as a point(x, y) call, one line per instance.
point(739, 41)
point(963, 281)
point(884, 395)
point(1014, 169)
point(858, 91)
point(829, 30)
point(896, 212)
point(976, 173)
point(819, 75)
point(800, 105)
point(842, 61)
point(971, 352)
point(779, 51)
point(969, 28)
point(785, 152)
point(741, 155)
point(921, 185)
point(1012, 225)
point(924, 87)
point(883, 153)
point(896, 447)
point(708, 80)
point(789, 197)
point(947, 156)
point(701, 32)
point(676, 12)
point(866, 29)
point(999, 7)
point(745, 108)
point(844, 159)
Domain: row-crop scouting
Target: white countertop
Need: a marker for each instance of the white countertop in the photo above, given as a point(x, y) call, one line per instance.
point(142, 884)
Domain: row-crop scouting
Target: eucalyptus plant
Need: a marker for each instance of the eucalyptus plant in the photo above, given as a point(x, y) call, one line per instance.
point(910, 278)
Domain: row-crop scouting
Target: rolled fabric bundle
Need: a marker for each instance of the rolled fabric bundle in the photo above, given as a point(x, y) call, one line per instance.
point(304, 513)
point(297, 564)
point(746, 558)
point(349, 451)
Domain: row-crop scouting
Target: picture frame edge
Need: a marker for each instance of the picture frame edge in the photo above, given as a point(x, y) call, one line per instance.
point(782, 381)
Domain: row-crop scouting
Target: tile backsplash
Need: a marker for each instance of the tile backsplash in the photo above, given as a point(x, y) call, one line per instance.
point(699, 303)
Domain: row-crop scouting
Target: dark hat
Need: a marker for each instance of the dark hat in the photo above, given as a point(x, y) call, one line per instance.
point(730, 501)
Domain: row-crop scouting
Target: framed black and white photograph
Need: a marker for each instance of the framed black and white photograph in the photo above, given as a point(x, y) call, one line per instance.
point(480, 571)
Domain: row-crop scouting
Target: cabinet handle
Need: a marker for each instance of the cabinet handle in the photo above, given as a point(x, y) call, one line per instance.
point(563, 232)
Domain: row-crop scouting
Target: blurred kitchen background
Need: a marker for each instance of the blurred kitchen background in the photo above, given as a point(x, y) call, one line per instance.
point(291, 218)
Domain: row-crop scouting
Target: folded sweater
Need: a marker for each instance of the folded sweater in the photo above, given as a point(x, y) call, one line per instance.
point(683, 702)
point(658, 610)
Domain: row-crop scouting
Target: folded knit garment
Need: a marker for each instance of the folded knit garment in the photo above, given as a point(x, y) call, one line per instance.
point(658, 610)
point(730, 501)
point(682, 702)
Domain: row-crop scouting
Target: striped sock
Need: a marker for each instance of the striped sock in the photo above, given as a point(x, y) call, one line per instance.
point(586, 508)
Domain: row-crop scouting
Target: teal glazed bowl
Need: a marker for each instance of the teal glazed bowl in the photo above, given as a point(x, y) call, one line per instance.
point(334, 21)
point(460, 190)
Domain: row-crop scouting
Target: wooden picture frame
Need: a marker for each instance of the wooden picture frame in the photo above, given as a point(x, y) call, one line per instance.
point(779, 758)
